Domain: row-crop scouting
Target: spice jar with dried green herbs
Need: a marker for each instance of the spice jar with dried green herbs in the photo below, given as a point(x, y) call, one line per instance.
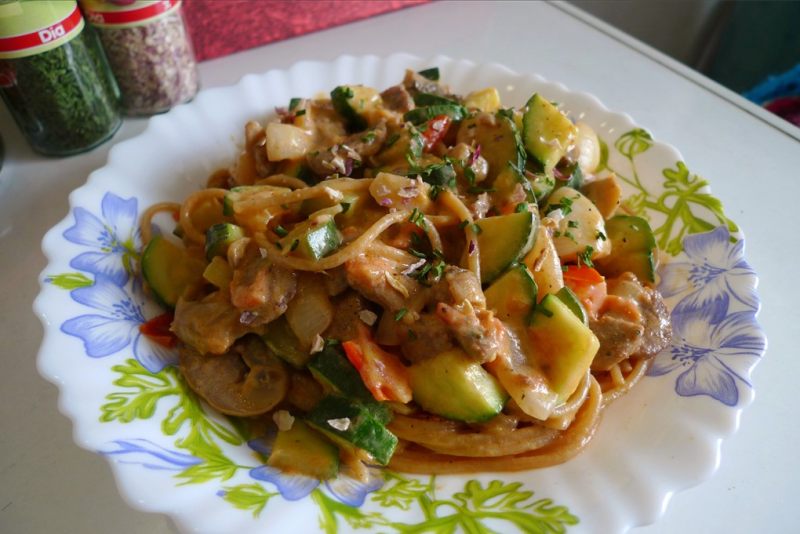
point(54, 77)
point(149, 50)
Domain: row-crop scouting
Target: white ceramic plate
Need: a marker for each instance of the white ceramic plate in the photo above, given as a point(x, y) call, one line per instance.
point(171, 454)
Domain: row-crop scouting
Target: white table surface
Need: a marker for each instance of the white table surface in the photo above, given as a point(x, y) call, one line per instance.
point(48, 484)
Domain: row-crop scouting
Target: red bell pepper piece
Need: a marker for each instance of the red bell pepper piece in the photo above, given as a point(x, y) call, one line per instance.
point(435, 130)
point(157, 329)
point(589, 286)
point(382, 372)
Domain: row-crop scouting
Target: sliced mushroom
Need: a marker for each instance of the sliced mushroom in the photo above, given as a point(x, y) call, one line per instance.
point(245, 381)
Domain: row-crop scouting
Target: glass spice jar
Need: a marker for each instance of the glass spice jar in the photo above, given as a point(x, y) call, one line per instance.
point(54, 77)
point(149, 50)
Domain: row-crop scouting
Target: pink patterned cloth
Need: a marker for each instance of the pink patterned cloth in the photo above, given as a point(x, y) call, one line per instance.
point(222, 27)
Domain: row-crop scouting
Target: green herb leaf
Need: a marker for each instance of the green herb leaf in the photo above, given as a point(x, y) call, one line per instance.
point(400, 314)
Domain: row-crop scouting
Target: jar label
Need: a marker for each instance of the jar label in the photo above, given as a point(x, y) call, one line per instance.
point(32, 32)
point(110, 14)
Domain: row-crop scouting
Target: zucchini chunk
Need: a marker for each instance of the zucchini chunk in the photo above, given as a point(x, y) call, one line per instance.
point(513, 296)
point(453, 386)
point(337, 375)
point(561, 345)
point(302, 450)
point(219, 236)
point(568, 297)
point(351, 424)
point(168, 270)
point(546, 132)
point(633, 248)
point(503, 240)
point(280, 339)
point(315, 243)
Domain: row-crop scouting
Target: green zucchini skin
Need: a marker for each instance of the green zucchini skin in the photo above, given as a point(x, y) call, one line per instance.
point(513, 295)
point(503, 240)
point(546, 132)
point(633, 248)
point(363, 430)
point(452, 385)
point(219, 236)
point(303, 450)
point(167, 270)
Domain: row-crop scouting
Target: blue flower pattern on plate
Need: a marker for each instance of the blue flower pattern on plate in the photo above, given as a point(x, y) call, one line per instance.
point(116, 327)
point(113, 238)
point(150, 455)
point(716, 339)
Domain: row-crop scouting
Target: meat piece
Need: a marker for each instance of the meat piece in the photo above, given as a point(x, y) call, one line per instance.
point(262, 288)
point(657, 328)
point(398, 99)
point(381, 280)
point(633, 321)
point(456, 286)
point(342, 158)
point(478, 332)
point(210, 325)
point(619, 338)
point(337, 159)
point(426, 338)
point(346, 310)
point(368, 143)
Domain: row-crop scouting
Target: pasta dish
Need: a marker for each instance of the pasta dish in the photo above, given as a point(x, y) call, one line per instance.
point(411, 278)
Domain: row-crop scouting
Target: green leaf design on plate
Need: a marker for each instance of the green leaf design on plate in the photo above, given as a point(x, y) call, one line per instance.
point(143, 391)
point(471, 510)
point(69, 281)
point(687, 207)
point(251, 497)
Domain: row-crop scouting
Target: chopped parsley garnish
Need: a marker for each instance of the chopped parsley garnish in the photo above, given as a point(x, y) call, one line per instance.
point(469, 174)
point(417, 218)
point(521, 207)
point(570, 235)
point(442, 174)
point(565, 205)
point(586, 256)
point(400, 314)
point(295, 244)
point(430, 271)
point(544, 311)
point(300, 113)
point(600, 235)
point(293, 103)
point(346, 206)
point(572, 224)
point(475, 228)
point(281, 231)
point(368, 137)
point(463, 224)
